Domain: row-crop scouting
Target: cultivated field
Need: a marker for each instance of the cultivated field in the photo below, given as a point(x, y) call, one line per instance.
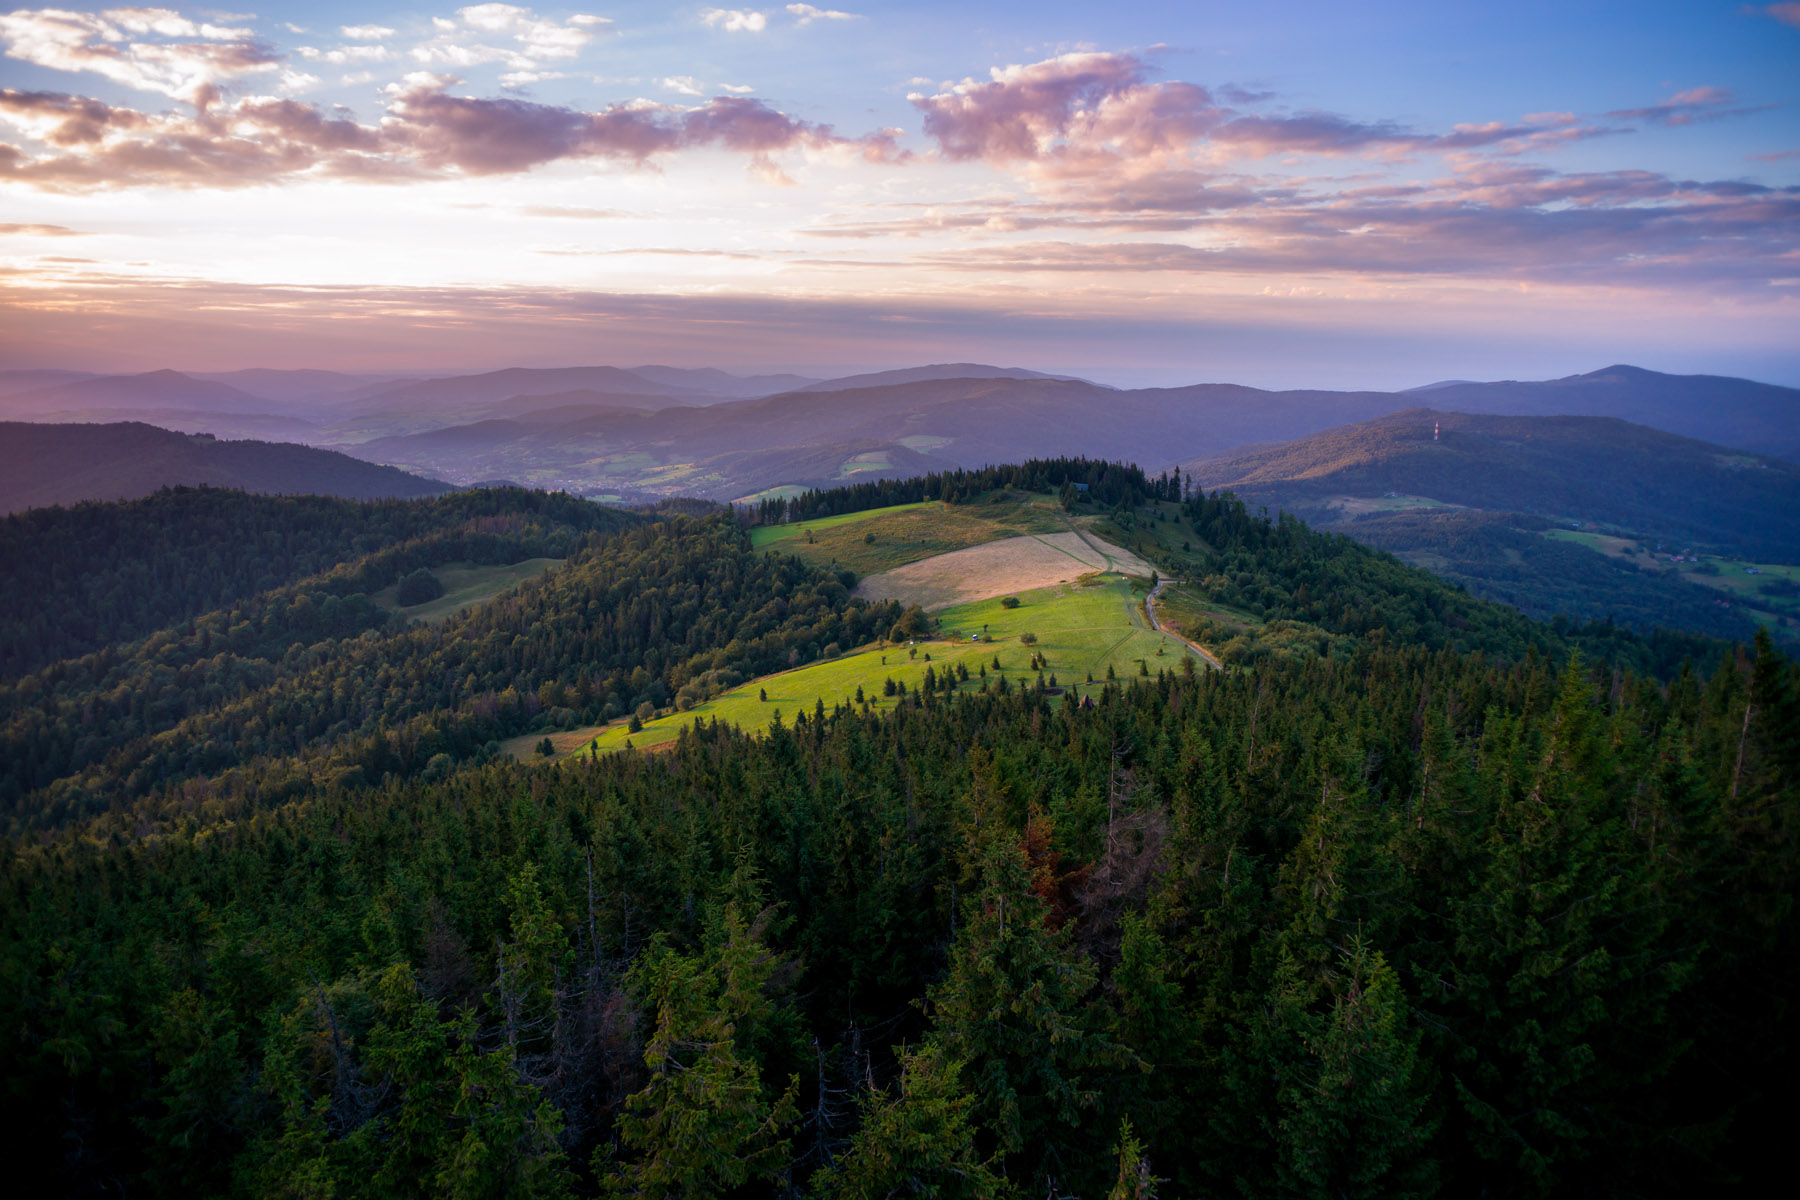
point(465, 586)
point(1083, 630)
point(1016, 564)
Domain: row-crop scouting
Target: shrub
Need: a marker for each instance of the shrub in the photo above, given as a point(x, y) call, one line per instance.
point(1009, 602)
point(1028, 639)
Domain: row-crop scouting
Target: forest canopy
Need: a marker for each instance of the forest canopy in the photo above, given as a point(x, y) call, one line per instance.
point(1436, 900)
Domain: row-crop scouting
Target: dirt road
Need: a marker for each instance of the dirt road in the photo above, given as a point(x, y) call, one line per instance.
point(1150, 611)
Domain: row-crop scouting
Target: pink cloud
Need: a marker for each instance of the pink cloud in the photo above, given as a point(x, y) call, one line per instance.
point(1787, 14)
point(426, 131)
point(189, 65)
point(1685, 108)
point(1022, 112)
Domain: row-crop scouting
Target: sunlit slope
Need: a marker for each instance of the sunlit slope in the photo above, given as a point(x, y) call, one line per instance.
point(1001, 568)
point(1083, 630)
point(881, 539)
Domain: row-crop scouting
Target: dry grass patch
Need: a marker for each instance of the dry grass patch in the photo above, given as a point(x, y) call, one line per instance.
point(1001, 568)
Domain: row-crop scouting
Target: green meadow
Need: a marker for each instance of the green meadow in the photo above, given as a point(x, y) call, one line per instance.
point(881, 539)
point(766, 535)
point(1082, 630)
point(465, 586)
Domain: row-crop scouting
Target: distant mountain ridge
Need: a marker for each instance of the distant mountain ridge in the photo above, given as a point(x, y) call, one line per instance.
point(1598, 469)
point(660, 431)
point(928, 374)
point(44, 464)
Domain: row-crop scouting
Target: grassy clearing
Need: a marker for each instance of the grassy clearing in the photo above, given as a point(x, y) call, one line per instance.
point(874, 460)
point(563, 741)
point(907, 533)
point(465, 586)
point(1184, 607)
point(1082, 629)
point(768, 535)
point(1359, 506)
point(1612, 546)
point(786, 491)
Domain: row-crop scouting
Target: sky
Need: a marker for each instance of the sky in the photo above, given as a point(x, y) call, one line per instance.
point(1282, 193)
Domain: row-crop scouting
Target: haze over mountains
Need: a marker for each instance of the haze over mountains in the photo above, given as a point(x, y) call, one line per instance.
point(653, 431)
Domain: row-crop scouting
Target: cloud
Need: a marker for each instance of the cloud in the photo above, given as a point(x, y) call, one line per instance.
point(94, 145)
point(564, 213)
point(14, 229)
point(533, 39)
point(364, 33)
point(1787, 14)
point(687, 85)
point(1024, 113)
point(733, 20)
point(1686, 108)
point(1094, 114)
point(345, 55)
point(426, 131)
point(104, 44)
point(806, 14)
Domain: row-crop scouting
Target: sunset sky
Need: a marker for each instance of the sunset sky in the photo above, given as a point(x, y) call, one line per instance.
point(1278, 193)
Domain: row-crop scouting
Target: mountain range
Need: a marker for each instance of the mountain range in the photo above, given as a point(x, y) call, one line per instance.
point(43, 464)
point(654, 431)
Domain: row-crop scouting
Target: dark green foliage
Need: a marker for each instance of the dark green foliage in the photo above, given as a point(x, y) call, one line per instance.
point(305, 684)
point(1105, 483)
point(78, 579)
point(1399, 924)
point(418, 587)
point(1446, 910)
point(1505, 557)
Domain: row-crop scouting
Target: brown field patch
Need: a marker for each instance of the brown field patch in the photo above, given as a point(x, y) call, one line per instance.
point(1000, 568)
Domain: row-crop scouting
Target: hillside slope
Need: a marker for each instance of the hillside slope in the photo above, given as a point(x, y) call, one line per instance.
point(1591, 517)
point(66, 464)
point(1597, 469)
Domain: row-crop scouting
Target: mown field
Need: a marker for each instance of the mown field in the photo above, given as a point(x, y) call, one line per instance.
point(466, 585)
point(1083, 630)
point(884, 538)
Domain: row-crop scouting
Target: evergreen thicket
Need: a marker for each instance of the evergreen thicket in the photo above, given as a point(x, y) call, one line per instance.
point(1402, 923)
point(1422, 899)
point(77, 579)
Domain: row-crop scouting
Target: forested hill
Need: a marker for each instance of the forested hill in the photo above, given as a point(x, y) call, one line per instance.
point(1588, 468)
point(1414, 896)
point(1397, 924)
point(66, 464)
point(82, 578)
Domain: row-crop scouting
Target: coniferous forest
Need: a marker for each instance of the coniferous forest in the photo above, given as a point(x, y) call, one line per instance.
point(1435, 901)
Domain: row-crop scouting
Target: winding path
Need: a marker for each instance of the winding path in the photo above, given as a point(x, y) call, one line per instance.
point(1150, 611)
